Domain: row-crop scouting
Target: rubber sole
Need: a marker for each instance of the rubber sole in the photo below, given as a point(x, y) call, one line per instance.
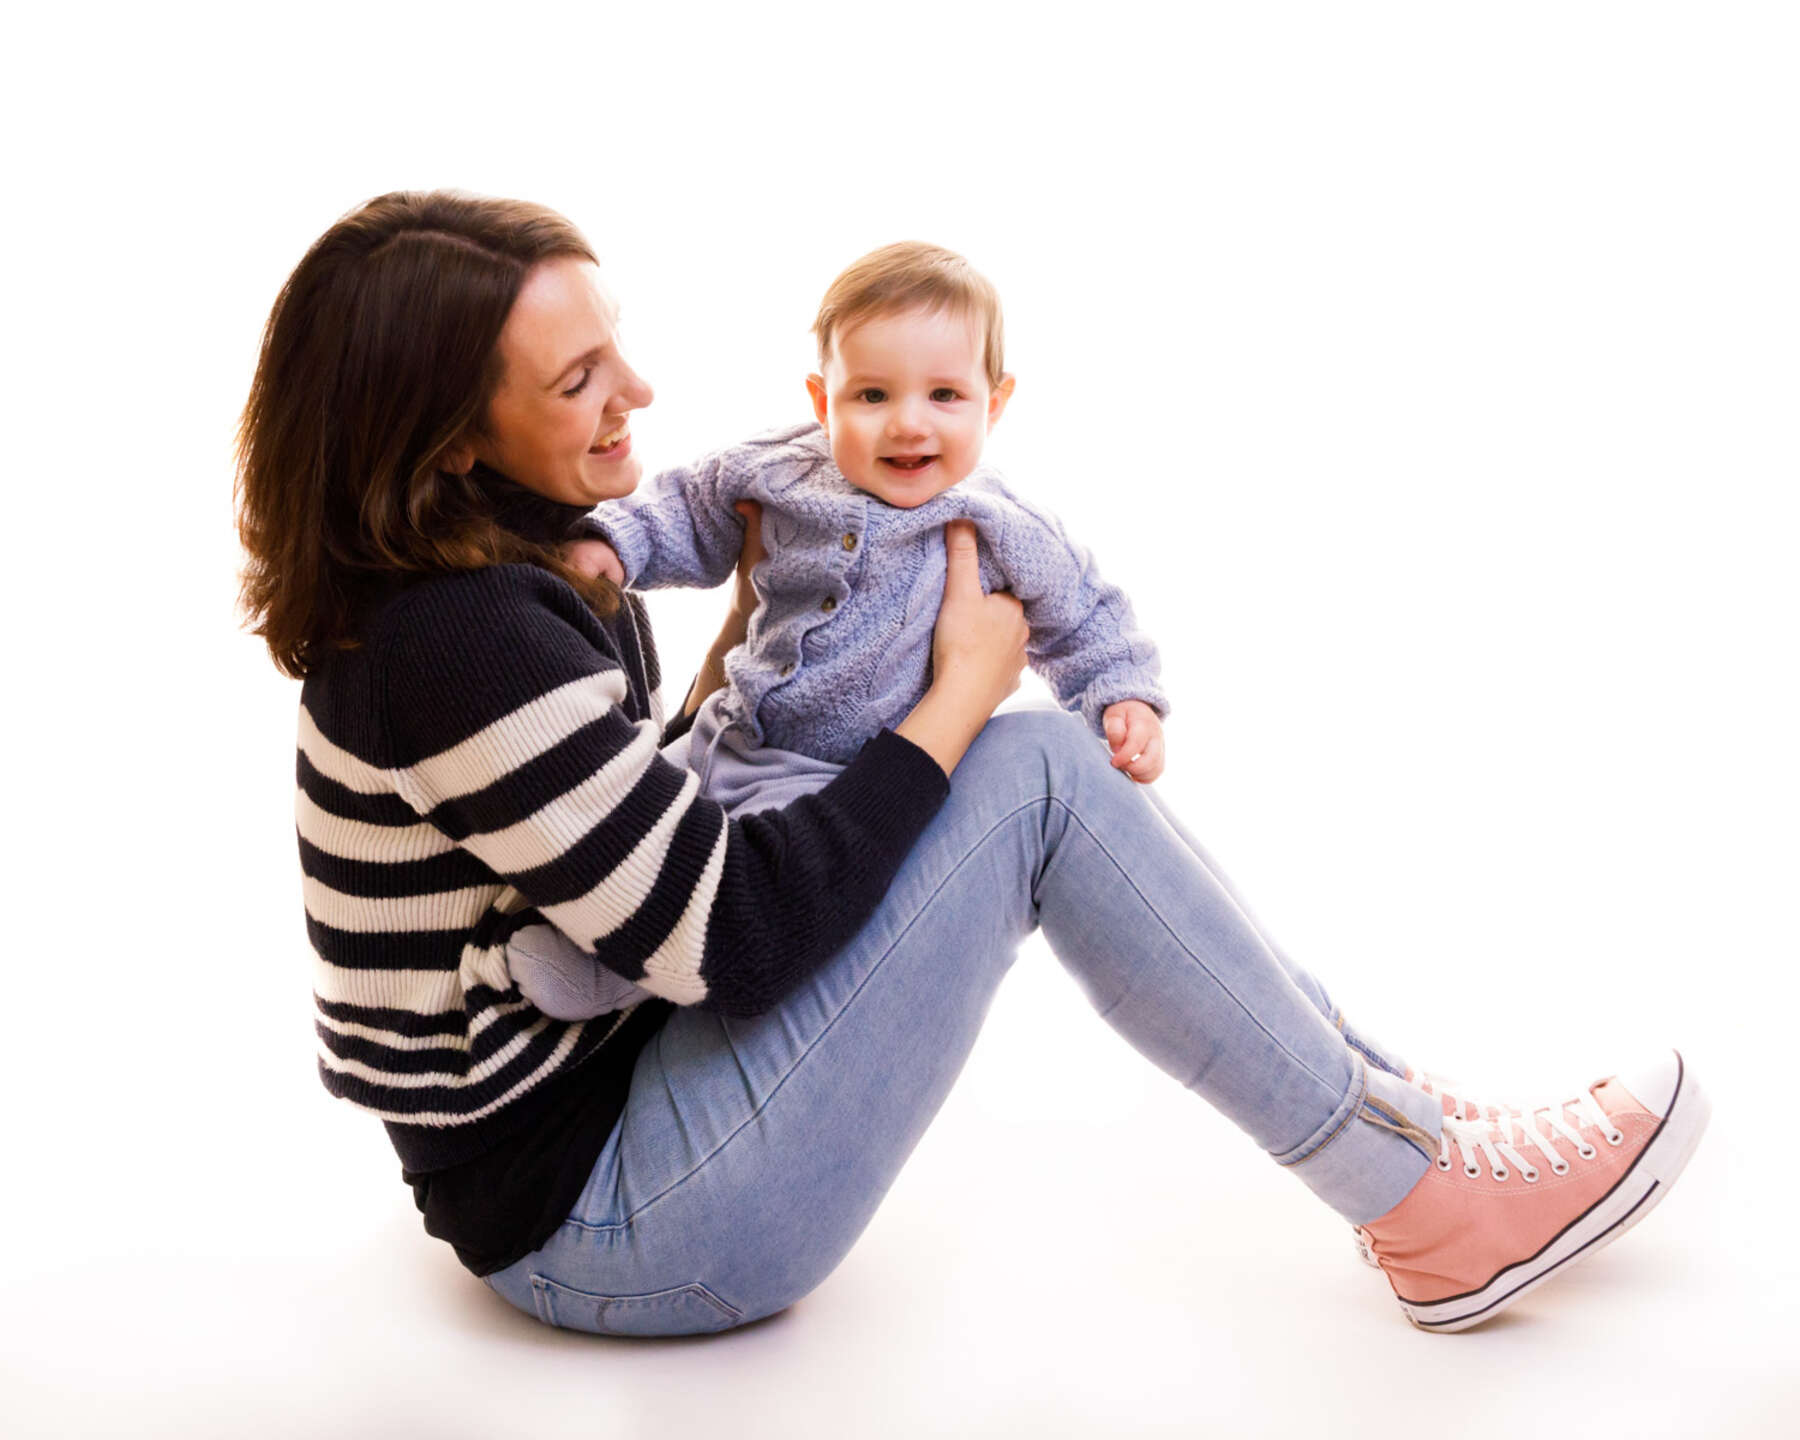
point(1640, 1191)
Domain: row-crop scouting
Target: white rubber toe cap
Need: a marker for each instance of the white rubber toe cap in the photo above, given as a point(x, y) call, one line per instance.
point(1652, 1083)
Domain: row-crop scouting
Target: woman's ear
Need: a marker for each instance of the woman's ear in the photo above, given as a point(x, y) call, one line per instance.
point(997, 398)
point(815, 387)
point(458, 459)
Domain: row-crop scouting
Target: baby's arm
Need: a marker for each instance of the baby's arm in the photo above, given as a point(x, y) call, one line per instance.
point(1084, 638)
point(679, 529)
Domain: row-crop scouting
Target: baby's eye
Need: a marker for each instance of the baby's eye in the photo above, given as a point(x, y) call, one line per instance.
point(580, 384)
point(871, 396)
point(944, 395)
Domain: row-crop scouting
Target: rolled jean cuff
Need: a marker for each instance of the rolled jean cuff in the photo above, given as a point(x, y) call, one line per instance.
point(1374, 1147)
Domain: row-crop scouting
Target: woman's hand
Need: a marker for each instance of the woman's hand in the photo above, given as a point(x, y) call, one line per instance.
point(743, 594)
point(977, 654)
point(737, 620)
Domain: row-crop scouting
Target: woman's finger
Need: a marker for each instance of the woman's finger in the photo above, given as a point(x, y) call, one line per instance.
point(962, 563)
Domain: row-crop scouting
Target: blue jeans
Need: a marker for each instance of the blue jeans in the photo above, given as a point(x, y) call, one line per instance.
point(752, 1153)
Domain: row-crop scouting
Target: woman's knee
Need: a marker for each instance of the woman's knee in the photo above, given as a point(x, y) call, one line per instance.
point(1035, 745)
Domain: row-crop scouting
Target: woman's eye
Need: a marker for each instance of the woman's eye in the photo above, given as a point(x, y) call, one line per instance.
point(944, 395)
point(579, 385)
point(871, 397)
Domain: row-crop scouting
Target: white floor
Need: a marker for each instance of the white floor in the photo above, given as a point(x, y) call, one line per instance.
point(1077, 1249)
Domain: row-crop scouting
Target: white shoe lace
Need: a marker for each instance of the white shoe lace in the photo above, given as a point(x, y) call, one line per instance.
point(1468, 1107)
point(1499, 1140)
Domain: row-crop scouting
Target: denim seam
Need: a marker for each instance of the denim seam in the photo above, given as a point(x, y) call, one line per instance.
point(1182, 945)
point(824, 1030)
point(1367, 1054)
point(1351, 1111)
point(1403, 1126)
point(949, 875)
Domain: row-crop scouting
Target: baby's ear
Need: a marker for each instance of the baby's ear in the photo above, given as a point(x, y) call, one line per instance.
point(815, 387)
point(997, 398)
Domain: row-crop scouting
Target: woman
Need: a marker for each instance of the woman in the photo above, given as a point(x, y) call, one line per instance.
point(439, 400)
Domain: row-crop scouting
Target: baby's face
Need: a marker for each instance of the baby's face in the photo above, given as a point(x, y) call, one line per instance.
point(906, 402)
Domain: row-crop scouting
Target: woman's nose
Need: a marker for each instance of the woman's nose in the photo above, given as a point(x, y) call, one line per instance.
point(637, 393)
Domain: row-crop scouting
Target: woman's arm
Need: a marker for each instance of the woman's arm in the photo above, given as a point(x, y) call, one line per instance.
point(507, 731)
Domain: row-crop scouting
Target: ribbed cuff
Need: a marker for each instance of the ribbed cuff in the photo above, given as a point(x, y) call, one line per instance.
point(620, 530)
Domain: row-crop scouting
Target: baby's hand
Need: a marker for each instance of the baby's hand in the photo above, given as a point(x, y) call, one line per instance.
point(1135, 734)
point(594, 558)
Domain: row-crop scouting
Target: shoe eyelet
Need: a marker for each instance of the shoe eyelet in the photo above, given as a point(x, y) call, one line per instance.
point(1472, 1171)
point(1443, 1164)
point(1561, 1167)
point(1616, 1138)
point(1531, 1177)
point(1587, 1152)
point(1501, 1172)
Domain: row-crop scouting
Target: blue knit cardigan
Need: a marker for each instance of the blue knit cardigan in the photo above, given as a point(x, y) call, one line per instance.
point(840, 645)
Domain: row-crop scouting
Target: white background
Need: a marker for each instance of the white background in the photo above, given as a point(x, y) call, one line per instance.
point(1428, 374)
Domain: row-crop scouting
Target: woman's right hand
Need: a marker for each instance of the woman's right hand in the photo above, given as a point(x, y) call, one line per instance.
point(977, 654)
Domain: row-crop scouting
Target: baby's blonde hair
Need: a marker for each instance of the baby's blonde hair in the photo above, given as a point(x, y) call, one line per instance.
point(907, 275)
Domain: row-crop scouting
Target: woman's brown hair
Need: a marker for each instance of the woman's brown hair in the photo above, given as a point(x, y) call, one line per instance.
point(381, 353)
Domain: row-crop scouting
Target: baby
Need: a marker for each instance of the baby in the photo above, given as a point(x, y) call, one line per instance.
point(854, 506)
point(853, 512)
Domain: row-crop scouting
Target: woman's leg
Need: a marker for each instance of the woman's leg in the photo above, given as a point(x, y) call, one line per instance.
point(752, 1153)
point(1372, 1051)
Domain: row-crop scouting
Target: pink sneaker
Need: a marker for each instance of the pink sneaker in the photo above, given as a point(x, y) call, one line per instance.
point(1512, 1201)
point(1459, 1104)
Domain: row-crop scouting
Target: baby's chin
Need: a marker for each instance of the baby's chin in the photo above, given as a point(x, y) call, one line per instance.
point(897, 490)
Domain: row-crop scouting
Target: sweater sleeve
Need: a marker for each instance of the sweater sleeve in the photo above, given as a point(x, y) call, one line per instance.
point(509, 735)
point(1085, 641)
point(679, 529)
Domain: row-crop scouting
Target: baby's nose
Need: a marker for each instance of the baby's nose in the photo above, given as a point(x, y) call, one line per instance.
point(907, 418)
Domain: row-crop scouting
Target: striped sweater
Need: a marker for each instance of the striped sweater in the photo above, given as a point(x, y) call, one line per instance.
point(486, 759)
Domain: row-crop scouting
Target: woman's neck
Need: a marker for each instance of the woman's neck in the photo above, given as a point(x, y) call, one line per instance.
point(526, 513)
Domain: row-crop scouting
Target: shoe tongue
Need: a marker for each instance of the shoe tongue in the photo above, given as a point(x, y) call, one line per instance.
point(1563, 1110)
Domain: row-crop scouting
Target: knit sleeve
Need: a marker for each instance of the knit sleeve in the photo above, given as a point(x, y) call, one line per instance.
point(679, 529)
point(1084, 641)
point(509, 734)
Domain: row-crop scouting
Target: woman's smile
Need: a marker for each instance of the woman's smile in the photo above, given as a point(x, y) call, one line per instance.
point(614, 445)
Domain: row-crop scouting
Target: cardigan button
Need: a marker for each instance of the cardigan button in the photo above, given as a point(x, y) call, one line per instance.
point(850, 542)
point(828, 604)
point(787, 669)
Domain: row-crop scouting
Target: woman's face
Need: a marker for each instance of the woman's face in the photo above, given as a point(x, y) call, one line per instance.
point(558, 423)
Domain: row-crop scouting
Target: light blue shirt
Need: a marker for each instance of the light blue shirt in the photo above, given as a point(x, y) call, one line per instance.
point(840, 646)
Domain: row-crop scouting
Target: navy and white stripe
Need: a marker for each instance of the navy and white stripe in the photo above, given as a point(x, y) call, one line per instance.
point(487, 759)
